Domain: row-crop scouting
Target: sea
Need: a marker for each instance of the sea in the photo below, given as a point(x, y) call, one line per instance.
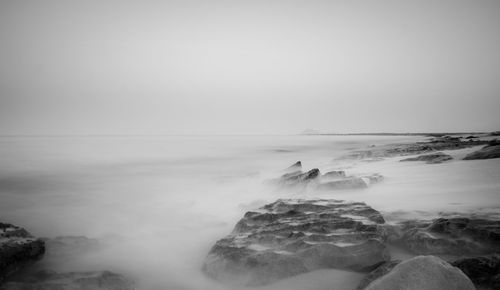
point(157, 204)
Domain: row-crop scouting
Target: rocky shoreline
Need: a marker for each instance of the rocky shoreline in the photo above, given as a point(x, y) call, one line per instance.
point(294, 236)
point(289, 237)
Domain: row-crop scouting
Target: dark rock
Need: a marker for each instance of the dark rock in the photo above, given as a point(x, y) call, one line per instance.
point(483, 271)
point(18, 248)
point(454, 236)
point(471, 137)
point(289, 237)
point(48, 280)
point(423, 272)
point(431, 158)
point(298, 178)
point(334, 174)
point(488, 152)
point(380, 271)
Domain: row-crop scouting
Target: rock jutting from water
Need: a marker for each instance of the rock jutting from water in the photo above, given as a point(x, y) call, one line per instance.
point(18, 249)
point(423, 272)
point(488, 152)
point(435, 158)
point(293, 236)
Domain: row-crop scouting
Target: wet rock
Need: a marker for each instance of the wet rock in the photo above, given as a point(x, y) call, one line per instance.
point(431, 158)
point(48, 280)
point(298, 178)
point(471, 137)
point(334, 174)
point(347, 183)
point(454, 236)
point(351, 182)
point(483, 271)
point(18, 248)
point(289, 237)
point(380, 271)
point(488, 152)
point(423, 272)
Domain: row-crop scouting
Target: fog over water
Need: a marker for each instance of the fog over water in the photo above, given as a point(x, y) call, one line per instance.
point(158, 204)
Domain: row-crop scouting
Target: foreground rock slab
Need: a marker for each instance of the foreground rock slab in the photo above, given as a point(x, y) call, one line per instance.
point(48, 280)
point(293, 236)
point(423, 272)
point(18, 248)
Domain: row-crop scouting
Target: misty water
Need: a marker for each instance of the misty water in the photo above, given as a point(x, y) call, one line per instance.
point(159, 203)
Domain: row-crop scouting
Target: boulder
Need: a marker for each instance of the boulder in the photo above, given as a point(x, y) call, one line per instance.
point(49, 280)
point(431, 158)
point(347, 183)
point(423, 272)
point(488, 152)
point(294, 236)
point(484, 271)
point(18, 248)
point(454, 236)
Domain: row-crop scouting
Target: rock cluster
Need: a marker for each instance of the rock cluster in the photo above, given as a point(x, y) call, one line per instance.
point(289, 237)
point(18, 248)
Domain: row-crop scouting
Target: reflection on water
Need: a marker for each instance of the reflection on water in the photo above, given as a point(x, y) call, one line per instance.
point(157, 204)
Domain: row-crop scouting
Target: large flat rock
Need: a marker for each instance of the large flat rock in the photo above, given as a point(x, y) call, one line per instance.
point(488, 152)
point(290, 237)
point(18, 248)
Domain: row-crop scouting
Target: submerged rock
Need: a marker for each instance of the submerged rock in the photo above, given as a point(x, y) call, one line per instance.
point(488, 152)
point(334, 174)
point(431, 158)
point(423, 272)
point(290, 237)
point(48, 280)
point(297, 166)
point(347, 183)
point(18, 248)
point(483, 271)
point(455, 236)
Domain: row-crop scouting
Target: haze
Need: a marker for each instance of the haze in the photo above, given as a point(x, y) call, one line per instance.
point(248, 67)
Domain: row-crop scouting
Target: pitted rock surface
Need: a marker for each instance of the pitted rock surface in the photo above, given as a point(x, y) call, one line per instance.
point(290, 237)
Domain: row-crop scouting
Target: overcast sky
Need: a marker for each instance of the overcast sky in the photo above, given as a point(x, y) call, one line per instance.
point(248, 67)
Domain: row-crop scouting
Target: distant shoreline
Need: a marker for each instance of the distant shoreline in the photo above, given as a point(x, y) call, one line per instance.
point(401, 134)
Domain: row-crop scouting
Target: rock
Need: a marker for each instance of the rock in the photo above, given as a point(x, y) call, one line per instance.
point(351, 182)
point(471, 137)
point(380, 271)
point(454, 236)
point(431, 158)
point(67, 247)
point(48, 280)
point(423, 272)
point(347, 183)
point(334, 174)
point(297, 166)
point(488, 152)
point(483, 271)
point(293, 236)
point(18, 248)
point(298, 178)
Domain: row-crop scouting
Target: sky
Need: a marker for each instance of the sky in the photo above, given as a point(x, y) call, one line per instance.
point(248, 67)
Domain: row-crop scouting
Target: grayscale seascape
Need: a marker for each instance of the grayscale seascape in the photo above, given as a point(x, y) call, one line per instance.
point(249, 145)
